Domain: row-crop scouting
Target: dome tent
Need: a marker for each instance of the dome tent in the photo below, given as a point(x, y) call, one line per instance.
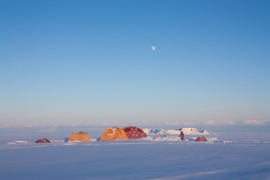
point(113, 133)
point(201, 139)
point(79, 137)
point(133, 132)
point(44, 140)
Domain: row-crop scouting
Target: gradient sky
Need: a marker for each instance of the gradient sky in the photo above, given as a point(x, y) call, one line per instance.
point(91, 61)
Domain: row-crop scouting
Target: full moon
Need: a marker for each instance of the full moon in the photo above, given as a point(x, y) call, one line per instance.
point(153, 48)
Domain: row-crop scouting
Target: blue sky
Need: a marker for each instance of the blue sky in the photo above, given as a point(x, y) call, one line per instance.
point(91, 62)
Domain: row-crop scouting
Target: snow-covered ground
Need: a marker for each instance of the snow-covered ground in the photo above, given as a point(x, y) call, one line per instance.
point(175, 131)
point(159, 156)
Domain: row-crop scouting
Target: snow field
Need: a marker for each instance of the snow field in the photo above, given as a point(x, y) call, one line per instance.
point(224, 156)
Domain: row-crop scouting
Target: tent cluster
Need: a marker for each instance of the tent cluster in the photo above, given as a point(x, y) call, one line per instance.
point(109, 134)
point(113, 133)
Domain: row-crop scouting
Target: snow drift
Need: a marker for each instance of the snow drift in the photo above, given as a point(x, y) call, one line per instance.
point(175, 131)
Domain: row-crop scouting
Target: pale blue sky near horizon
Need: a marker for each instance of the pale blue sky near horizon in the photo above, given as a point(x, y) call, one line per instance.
point(91, 61)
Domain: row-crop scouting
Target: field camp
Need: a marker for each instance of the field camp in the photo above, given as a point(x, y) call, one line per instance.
point(132, 153)
point(133, 132)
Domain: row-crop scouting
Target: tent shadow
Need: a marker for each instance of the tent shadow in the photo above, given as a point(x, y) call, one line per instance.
point(66, 140)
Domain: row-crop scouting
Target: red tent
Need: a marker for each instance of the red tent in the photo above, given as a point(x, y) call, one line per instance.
point(133, 132)
point(44, 140)
point(201, 139)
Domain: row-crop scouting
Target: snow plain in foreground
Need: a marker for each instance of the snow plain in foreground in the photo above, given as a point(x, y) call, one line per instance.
point(224, 156)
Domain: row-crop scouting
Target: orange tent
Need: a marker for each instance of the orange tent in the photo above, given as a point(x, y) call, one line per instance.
point(79, 137)
point(113, 133)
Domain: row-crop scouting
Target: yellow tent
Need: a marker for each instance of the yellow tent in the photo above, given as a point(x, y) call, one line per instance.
point(79, 137)
point(113, 133)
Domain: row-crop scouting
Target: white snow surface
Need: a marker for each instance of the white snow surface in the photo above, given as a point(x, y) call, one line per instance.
point(228, 155)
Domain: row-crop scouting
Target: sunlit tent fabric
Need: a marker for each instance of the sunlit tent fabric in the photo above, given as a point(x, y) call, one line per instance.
point(44, 140)
point(79, 137)
point(201, 139)
point(113, 133)
point(133, 132)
